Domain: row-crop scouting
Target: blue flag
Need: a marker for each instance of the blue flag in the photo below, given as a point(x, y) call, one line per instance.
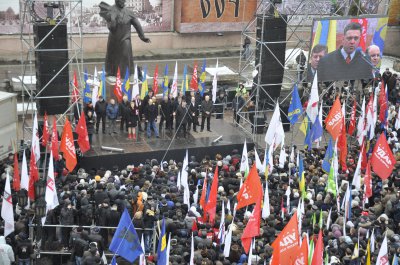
point(165, 82)
point(395, 260)
point(301, 166)
point(87, 94)
point(103, 84)
point(126, 242)
point(203, 78)
point(295, 108)
point(326, 164)
point(316, 130)
point(308, 140)
point(162, 246)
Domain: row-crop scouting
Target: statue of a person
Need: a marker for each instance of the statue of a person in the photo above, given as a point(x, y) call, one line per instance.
point(119, 47)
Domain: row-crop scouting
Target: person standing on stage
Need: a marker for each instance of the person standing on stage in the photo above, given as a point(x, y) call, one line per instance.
point(124, 112)
point(112, 114)
point(182, 119)
point(90, 126)
point(100, 109)
point(238, 103)
point(193, 114)
point(139, 106)
point(132, 118)
point(165, 113)
point(151, 113)
point(206, 110)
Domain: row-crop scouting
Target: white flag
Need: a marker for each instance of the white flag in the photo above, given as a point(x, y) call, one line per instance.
point(51, 192)
point(383, 258)
point(95, 91)
point(7, 211)
point(174, 87)
point(259, 165)
point(214, 84)
point(292, 155)
point(228, 240)
point(24, 174)
point(329, 219)
point(375, 115)
point(250, 253)
point(178, 181)
point(320, 113)
point(266, 211)
point(142, 258)
point(184, 180)
point(265, 160)
point(135, 85)
point(196, 195)
point(191, 262)
point(221, 232)
point(357, 174)
point(397, 124)
point(282, 156)
point(35, 138)
point(244, 163)
point(287, 193)
point(312, 105)
point(372, 241)
point(275, 129)
point(168, 248)
point(361, 124)
point(228, 206)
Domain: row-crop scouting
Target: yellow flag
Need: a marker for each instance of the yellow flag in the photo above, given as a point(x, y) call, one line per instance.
point(304, 125)
point(331, 42)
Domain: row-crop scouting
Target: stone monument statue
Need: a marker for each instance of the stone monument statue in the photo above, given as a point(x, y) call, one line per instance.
point(119, 47)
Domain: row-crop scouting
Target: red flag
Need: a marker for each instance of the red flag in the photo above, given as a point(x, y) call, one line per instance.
point(17, 177)
point(382, 159)
point(83, 138)
point(364, 156)
point(75, 89)
point(45, 134)
point(194, 82)
point(352, 124)
point(67, 146)
point(288, 241)
point(117, 87)
point(342, 146)
point(302, 256)
point(54, 140)
point(33, 176)
point(318, 256)
point(333, 121)
point(252, 228)
point(368, 180)
point(276, 256)
point(383, 103)
point(203, 195)
point(194, 226)
point(364, 26)
point(251, 189)
point(211, 206)
point(155, 81)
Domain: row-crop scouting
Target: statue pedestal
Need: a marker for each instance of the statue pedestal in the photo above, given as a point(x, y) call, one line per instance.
point(110, 83)
point(396, 65)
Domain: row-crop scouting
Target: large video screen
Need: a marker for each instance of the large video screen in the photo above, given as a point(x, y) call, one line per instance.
point(346, 48)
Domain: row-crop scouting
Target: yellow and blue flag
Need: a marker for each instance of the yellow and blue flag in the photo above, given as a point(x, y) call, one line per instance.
point(203, 78)
point(295, 108)
point(326, 163)
point(165, 82)
point(162, 246)
point(395, 260)
point(308, 139)
point(185, 83)
point(380, 34)
point(325, 34)
point(126, 242)
point(316, 130)
point(126, 85)
point(145, 86)
point(102, 86)
point(87, 94)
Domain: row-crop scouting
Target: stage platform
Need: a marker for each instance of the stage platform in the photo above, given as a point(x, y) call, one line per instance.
point(166, 147)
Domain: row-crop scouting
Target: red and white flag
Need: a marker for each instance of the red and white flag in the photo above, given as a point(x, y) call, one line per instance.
point(368, 181)
point(67, 146)
point(383, 256)
point(45, 134)
point(302, 256)
point(352, 124)
point(17, 176)
point(24, 173)
point(118, 86)
point(75, 89)
point(7, 211)
point(155, 81)
point(342, 141)
point(142, 258)
point(51, 192)
point(194, 83)
point(312, 105)
point(334, 120)
point(83, 138)
point(35, 138)
point(174, 87)
point(54, 140)
point(382, 159)
point(361, 124)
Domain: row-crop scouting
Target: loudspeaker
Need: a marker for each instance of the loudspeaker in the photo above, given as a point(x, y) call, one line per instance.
point(260, 121)
point(51, 56)
point(270, 54)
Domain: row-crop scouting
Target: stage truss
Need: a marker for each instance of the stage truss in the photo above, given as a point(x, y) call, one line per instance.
point(297, 37)
point(36, 11)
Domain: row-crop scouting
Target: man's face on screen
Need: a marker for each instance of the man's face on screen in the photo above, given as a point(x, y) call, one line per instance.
point(351, 40)
point(374, 55)
point(315, 57)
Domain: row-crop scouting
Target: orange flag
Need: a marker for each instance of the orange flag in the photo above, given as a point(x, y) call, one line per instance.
point(203, 195)
point(252, 228)
point(75, 89)
point(382, 159)
point(155, 81)
point(251, 190)
point(333, 121)
point(83, 138)
point(318, 251)
point(211, 205)
point(288, 241)
point(302, 256)
point(17, 176)
point(67, 146)
point(33, 176)
point(54, 140)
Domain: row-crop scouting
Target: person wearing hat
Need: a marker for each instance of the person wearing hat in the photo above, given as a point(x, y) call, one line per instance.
point(24, 248)
point(92, 256)
point(67, 216)
point(6, 252)
point(100, 109)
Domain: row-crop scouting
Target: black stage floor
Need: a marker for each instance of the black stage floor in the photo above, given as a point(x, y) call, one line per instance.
point(137, 151)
